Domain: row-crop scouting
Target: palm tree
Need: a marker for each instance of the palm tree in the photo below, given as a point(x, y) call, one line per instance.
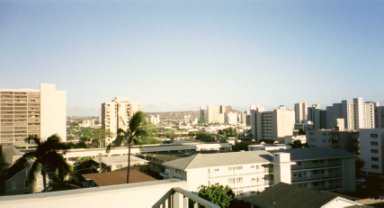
point(46, 160)
point(136, 129)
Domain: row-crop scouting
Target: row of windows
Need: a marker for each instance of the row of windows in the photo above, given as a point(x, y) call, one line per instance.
point(235, 180)
point(237, 168)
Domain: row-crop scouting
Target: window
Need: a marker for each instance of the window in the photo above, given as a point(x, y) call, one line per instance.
point(374, 158)
point(239, 180)
point(217, 169)
point(374, 143)
point(374, 135)
point(374, 151)
point(231, 180)
point(231, 168)
point(253, 179)
point(374, 166)
point(252, 166)
point(239, 167)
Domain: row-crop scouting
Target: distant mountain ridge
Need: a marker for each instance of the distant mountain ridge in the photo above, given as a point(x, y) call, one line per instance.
point(175, 115)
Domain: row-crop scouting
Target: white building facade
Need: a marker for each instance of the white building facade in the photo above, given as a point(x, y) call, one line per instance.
point(272, 125)
point(251, 172)
point(301, 112)
point(117, 113)
point(371, 150)
point(26, 112)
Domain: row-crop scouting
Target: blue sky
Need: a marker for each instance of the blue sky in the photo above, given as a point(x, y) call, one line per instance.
point(178, 55)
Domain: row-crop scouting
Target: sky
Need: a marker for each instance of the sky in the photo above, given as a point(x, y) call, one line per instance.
point(171, 55)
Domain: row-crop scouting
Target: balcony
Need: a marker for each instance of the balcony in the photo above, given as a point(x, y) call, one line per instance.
point(170, 193)
point(180, 198)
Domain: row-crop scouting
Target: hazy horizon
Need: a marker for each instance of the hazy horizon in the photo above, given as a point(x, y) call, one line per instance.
point(178, 55)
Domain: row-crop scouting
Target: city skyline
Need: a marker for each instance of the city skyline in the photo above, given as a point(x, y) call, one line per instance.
point(177, 55)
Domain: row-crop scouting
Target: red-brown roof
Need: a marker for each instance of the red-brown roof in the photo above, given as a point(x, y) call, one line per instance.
point(117, 177)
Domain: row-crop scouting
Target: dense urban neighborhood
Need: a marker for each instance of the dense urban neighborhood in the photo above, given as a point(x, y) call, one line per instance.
point(253, 155)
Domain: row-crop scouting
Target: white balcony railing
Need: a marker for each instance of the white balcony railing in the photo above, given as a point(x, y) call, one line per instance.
point(180, 198)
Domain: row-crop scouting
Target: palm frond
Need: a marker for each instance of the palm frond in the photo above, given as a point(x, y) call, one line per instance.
point(136, 121)
point(33, 138)
point(34, 170)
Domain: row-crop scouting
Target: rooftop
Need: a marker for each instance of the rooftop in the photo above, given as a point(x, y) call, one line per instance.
point(120, 159)
point(315, 153)
point(220, 159)
point(290, 196)
point(117, 177)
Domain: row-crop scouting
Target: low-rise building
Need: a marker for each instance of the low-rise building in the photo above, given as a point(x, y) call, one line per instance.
point(253, 171)
point(118, 162)
point(244, 172)
point(268, 147)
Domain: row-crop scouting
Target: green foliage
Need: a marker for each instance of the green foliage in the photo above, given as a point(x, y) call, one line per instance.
point(46, 160)
point(298, 144)
point(218, 194)
point(205, 137)
point(228, 132)
point(239, 146)
point(82, 166)
point(301, 132)
point(359, 164)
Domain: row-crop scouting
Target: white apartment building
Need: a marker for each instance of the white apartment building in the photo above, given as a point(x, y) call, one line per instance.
point(253, 171)
point(357, 114)
point(244, 172)
point(25, 112)
point(372, 150)
point(369, 117)
point(272, 125)
point(301, 112)
point(117, 113)
point(231, 118)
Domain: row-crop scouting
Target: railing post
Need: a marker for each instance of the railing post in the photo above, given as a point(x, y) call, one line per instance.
point(185, 202)
point(177, 200)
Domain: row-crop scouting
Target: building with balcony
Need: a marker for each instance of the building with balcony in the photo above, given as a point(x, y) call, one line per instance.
point(116, 114)
point(372, 150)
point(253, 171)
point(25, 112)
point(244, 172)
point(322, 169)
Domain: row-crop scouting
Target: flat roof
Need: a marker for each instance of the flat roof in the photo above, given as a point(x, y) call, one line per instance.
point(220, 159)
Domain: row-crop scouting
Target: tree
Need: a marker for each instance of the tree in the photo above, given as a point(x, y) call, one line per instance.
point(46, 160)
point(298, 144)
point(136, 130)
point(81, 166)
point(205, 137)
point(218, 194)
point(239, 146)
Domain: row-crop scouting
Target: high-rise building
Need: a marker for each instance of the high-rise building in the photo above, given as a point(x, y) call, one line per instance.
point(369, 111)
point(301, 112)
point(117, 113)
point(317, 116)
point(356, 115)
point(272, 125)
point(213, 114)
point(26, 112)
point(379, 116)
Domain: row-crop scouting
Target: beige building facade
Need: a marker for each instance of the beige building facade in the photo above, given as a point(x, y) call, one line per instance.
point(25, 112)
point(116, 114)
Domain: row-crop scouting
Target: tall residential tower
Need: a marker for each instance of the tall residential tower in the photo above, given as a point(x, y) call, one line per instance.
point(26, 112)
